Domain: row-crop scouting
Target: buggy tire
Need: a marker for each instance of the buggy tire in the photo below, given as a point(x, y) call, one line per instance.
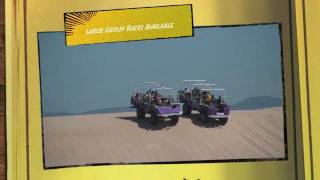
point(141, 114)
point(174, 119)
point(223, 121)
point(154, 119)
point(186, 109)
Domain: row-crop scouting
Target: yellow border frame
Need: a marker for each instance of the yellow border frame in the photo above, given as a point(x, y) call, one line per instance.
point(25, 18)
point(308, 28)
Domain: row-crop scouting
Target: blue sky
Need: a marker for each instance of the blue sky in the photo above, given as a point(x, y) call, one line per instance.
point(245, 60)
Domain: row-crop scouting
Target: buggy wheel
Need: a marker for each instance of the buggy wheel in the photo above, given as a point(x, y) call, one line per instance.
point(154, 119)
point(223, 121)
point(186, 109)
point(204, 117)
point(140, 113)
point(174, 119)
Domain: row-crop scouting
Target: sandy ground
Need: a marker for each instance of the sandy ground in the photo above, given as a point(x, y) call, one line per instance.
point(120, 137)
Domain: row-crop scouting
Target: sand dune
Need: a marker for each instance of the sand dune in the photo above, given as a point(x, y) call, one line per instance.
point(120, 137)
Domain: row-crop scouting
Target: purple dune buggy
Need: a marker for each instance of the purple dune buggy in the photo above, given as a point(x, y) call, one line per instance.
point(202, 98)
point(158, 101)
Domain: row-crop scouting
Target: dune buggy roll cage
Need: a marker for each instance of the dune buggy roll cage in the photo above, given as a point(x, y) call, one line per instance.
point(155, 86)
point(208, 87)
point(172, 94)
